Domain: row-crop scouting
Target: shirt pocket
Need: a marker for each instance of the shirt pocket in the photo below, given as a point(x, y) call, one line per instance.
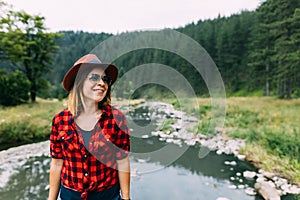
point(67, 141)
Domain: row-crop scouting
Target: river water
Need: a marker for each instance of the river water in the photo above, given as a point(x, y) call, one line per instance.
point(24, 170)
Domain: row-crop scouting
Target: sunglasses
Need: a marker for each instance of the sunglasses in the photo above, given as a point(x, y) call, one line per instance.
point(95, 78)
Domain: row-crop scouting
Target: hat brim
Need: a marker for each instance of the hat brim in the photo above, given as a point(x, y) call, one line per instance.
point(110, 70)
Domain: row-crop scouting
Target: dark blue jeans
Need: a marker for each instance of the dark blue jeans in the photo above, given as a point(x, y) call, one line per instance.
point(110, 194)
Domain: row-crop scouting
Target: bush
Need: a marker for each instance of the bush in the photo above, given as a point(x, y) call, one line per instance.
point(22, 132)
point(14, 88)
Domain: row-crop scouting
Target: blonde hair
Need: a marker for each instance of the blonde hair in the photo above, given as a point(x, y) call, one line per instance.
point(75, 103)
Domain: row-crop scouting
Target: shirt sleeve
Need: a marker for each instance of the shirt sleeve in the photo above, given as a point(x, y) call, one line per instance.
point(123, 139)
point(55, 146)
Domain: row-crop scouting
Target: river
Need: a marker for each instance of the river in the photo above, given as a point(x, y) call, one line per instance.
point(24, 170)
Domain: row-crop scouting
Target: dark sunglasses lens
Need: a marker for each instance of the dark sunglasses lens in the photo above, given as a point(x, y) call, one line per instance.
point(94, 77)
point(106, 79)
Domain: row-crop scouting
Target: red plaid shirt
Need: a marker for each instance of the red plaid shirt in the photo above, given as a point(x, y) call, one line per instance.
point(94, 169)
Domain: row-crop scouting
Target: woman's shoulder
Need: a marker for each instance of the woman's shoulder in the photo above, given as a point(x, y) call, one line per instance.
point(116, 110)
point(115, 113)
point(63, 113)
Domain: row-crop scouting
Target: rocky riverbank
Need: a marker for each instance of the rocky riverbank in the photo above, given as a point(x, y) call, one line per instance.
point(268, 185)
point(13, 158)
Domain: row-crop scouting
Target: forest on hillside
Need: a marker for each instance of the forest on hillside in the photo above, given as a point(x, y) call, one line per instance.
point(256, 52)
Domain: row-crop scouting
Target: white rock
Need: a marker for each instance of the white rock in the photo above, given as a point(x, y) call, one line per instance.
point(267, 191)
point(141, 160)
point(260, 179)
point(190, 142)
point(241, 157)
point(250, 191)
point(232, 186)
point(178, 142)
point(241, 186)
point(47, 187)
point(269, 175)
point(294, 189)
point(272, 184)
point(249, 174)
point(222, 198)
point(219, 152)
point(155, 133)
point(232, 163)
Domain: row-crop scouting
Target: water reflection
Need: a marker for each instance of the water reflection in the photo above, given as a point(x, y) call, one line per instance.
point(190, 177)
point(29, 182)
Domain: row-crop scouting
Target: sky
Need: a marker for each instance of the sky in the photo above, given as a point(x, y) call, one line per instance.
point(117, 16)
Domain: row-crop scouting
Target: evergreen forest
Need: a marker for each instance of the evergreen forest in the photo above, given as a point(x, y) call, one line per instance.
point(257, 53)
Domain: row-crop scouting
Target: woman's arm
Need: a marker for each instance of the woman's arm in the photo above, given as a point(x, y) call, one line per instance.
point(124, 177)
point(55, 171)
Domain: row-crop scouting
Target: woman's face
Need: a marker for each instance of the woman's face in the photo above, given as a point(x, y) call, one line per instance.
point(95, 86)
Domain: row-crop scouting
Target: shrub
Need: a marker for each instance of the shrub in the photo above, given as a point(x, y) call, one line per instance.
point(21, 132)
point(14, 88)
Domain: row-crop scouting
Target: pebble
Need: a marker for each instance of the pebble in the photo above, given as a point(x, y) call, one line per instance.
point(222, 198)
point(231, 163)
point(232, 186)
point(267, 191)
point(250, 191)
point(249, 174)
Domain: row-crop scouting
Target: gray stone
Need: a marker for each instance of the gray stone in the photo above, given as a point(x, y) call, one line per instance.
point(267, 191)
point(249, 174)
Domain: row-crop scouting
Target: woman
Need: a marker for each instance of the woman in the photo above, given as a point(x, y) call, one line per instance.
point(89, 142)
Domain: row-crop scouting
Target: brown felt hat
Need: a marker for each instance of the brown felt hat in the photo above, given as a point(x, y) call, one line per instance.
point(92, 61)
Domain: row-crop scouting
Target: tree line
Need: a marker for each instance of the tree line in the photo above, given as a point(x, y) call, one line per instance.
point(257, 52)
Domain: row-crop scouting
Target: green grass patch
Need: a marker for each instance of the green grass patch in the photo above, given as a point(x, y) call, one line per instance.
point(270, 127)
point(166, 125)
point(27, 123)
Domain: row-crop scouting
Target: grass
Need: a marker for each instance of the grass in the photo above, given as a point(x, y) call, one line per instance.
point(31, 122)
point(270, 126)
point(27, 123)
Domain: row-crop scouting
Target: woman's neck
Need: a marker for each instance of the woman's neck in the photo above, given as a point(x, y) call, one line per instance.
point(87, 119)
point(91, 108)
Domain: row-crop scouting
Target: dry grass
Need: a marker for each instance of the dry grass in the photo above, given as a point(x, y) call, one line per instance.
point(40, 113)
point(271, 128)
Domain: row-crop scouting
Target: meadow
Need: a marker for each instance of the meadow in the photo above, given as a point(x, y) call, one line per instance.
point(270, 127)
point(27, 123)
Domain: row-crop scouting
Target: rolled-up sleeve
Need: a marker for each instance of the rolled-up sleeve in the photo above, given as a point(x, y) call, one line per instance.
point(123, 137)
point(55, 146)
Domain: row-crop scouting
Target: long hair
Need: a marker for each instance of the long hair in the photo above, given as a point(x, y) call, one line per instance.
point(75, 103)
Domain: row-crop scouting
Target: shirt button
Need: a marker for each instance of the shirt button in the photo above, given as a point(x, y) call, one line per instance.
point(84, 156)
point(86, 174)
point(62, 137)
